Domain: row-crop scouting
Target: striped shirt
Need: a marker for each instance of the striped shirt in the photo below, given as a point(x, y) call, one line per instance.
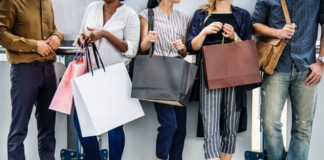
point(170, 29)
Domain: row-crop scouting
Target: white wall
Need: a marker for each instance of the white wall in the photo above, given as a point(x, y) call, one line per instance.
point(140, 134)
point(69, 13)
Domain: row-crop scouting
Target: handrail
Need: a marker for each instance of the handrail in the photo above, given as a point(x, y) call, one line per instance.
point(62, 51)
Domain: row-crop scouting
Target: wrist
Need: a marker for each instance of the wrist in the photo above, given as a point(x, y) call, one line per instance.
point(320, 60)
point(278, 34)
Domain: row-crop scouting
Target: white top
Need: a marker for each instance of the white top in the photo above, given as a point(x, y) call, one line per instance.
point(170, 29)
point(124, 24)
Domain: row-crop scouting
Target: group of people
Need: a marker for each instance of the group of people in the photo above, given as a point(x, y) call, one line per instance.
point(29, 34)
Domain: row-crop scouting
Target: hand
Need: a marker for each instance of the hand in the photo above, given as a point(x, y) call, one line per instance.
point(178, 44)
point(54, 41)
point(43, 48)
point(82, 38)
point(287, 32)
point(213, 28)
point(228, 31)
point(316, 75)
point(152, 36)
point(95, 35)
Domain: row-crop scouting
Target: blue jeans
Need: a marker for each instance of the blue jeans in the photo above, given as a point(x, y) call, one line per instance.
point(172, 132)
point(91, 146)
point(275, 91)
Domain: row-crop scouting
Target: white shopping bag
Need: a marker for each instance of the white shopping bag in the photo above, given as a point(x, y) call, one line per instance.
point(103, 100)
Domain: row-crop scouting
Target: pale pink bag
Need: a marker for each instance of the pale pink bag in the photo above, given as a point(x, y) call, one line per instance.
point(62, 100)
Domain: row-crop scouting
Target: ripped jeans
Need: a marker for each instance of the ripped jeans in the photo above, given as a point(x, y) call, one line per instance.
point(275, 91)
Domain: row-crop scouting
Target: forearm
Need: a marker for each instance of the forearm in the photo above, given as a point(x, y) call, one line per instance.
point(265, 31)
point(183, 52)
point(15, 43)
point(198, 41)
point(321, 53)
point(116, 42)
point(145, 46)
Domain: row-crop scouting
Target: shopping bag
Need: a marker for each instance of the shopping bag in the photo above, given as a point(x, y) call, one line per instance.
point(231, 64)
point(62, 100)
point(162, 79)
point(103, 99)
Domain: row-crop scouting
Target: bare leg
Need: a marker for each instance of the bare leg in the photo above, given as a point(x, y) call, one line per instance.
point(226, 156)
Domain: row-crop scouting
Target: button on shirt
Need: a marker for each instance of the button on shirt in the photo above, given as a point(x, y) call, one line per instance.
point(22, 23)
point(306, 14)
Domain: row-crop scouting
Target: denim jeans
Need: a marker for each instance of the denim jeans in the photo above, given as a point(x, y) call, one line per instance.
point(91, 146)
point(275, 91)
point(172, 132)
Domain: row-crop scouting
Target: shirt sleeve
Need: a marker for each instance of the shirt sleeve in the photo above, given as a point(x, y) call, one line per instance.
point(132, 35)
point(144, 14)
point(9, 40)
point(193, 32)
point(321, 13)
point(247, 23)
point(261, 12)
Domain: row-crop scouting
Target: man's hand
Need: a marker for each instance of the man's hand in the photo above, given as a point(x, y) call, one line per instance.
point(287, 32)
point(54, 41)
point(43, 48)
point(316, 75)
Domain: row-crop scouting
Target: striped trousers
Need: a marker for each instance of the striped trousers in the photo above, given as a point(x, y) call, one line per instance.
point(220, 119)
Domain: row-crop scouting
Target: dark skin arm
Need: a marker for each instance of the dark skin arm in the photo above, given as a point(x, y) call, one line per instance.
point(96, 34)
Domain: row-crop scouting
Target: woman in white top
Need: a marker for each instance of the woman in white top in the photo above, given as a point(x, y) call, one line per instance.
point(169, 35)
point(115, 29)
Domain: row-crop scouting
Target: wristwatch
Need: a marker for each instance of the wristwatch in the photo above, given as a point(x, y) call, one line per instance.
point(321, 59)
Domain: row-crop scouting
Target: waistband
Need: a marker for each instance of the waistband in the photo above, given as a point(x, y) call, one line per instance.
point(36, 64)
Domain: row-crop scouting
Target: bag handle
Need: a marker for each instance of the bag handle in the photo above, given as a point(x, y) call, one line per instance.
point(80, 52)
point(151, 28)
point(96, 56)
point(285, 11)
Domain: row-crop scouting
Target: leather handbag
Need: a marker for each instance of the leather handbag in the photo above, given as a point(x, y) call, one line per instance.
point(270, 49)
point(231, 64)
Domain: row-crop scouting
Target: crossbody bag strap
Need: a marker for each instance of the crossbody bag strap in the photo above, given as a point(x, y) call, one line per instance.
point(285, 11)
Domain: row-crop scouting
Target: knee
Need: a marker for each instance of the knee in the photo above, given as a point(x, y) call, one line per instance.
point(302, 128)
point(170, 127)
point(271, 127)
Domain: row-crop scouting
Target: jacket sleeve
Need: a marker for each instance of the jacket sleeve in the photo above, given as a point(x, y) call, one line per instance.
point(247, 23)
point(193, 31)
point(7, 39)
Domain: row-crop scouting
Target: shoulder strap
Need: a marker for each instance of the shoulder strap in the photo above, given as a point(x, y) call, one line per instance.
point(151, 28)
point(285, 11)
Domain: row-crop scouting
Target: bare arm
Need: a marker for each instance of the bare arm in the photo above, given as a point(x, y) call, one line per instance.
point(211, 29)
point(96, 34)
point(287, 32)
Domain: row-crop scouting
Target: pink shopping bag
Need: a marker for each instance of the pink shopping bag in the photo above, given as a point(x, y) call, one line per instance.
point(62, 100)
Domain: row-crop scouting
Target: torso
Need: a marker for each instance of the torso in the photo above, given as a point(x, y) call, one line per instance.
point(223, 18)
